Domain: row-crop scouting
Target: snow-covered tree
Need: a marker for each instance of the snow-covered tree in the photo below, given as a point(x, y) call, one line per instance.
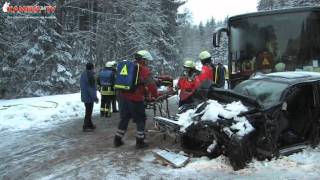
point(47, 56)
point(280, 4)
point(38, 62)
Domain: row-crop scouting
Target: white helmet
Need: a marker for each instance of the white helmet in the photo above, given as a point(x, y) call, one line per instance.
point(110, 63)
point(145, 55)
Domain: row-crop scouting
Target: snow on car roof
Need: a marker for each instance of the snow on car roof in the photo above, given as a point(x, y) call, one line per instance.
point(290, 76)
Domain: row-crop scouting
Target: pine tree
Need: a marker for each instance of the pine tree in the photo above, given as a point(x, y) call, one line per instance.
point(280, 4)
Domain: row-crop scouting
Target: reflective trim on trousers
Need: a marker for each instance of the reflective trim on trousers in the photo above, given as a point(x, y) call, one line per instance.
point(104, 110)
point(140, 135)
point(120, 133)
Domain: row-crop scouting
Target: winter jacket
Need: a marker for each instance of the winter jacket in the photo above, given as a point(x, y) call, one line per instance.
point(106, 80)
point(187, 86)
point(88, 87)
point(206, 74)
point(146, 86)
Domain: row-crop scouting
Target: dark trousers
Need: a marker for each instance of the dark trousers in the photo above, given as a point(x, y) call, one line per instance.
point(136, 111)
point(106, 102)
point(87, 117)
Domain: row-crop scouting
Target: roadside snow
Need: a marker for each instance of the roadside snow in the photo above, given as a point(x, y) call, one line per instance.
point(39, 112)
point(303, 165)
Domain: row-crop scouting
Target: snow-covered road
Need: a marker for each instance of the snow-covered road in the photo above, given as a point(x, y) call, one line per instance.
point(51, 147)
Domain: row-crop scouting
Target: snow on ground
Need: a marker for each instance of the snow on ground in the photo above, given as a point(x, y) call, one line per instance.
point(21, 114)
point(303, 165)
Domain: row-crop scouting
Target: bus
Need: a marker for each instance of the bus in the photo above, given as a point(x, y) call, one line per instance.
point(270, 41)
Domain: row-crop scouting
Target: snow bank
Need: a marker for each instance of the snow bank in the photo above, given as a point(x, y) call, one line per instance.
point(38, 112)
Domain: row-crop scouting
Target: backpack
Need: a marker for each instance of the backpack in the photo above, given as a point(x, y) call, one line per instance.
point(126, 75)
point(105, 77)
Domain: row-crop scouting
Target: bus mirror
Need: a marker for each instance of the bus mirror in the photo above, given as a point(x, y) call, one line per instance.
point(217, 36)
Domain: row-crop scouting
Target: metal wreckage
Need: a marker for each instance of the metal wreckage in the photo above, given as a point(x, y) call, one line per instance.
point(277, 114)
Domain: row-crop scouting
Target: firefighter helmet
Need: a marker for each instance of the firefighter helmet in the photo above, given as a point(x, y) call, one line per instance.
point(188, 64)
point(145, 55)
point(204, 55)
point(110, 64)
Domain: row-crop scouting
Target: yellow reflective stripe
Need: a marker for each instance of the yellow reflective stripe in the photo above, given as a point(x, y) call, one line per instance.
point(226, 73)
point(137, 74)
point(108, 93)
point(216, 75)
point(121, 86)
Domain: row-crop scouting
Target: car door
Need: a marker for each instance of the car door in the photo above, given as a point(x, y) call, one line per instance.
point(315, 129)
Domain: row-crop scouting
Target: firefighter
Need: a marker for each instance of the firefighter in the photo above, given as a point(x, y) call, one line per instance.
point(207, 73)
point(131, 103)
point(88, 95)
point(227, 77)
point(113, 98)
point(106, 80)
point(186, 83)
point(220, 75)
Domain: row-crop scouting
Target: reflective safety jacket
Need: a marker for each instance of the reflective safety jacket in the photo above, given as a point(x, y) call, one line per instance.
point(106, 80)
point(146, 85)
point(206, 74)
point(107, 91)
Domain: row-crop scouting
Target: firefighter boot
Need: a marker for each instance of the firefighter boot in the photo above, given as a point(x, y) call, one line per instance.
point(108, 113)
point(90, 128)
point(117, 141)
point(140, 144)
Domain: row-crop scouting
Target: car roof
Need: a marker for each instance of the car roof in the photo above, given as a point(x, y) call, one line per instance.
point(290, 77)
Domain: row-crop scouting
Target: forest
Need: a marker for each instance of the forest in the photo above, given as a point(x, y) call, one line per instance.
point(44, 56)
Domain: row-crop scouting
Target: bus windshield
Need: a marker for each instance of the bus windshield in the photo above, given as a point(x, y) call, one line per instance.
point(277, 42)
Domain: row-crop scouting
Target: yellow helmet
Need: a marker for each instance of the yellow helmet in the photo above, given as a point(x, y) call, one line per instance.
point(204, 55)
point(188, 64)
point(145, 55)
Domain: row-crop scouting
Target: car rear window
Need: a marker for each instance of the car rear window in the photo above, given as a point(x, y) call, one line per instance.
point(265, 92)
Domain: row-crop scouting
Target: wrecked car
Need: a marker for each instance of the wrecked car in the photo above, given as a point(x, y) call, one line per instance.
point(263, 117)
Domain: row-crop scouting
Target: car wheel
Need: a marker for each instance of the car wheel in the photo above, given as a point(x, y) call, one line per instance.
point(198, 137)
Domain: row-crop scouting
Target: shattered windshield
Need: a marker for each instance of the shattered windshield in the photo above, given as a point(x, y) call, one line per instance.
point(267, 93)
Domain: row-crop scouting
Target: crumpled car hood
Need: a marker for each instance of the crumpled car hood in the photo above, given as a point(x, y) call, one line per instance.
point(212, 110)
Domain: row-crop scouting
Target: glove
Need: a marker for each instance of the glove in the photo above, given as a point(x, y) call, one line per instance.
point(96, 100)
